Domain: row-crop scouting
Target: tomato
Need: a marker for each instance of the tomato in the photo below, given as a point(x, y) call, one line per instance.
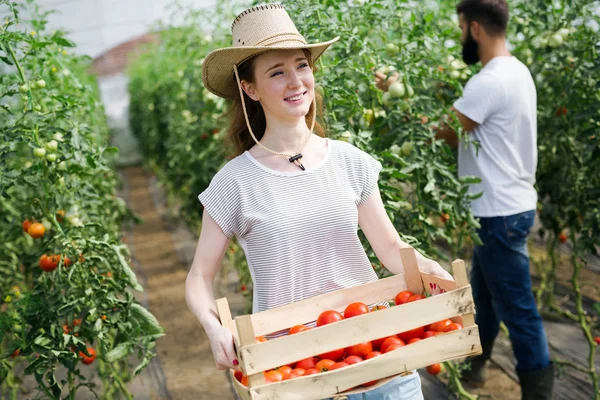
point(353, 359)
point(424, 119)
point(329, 316)
point(307, 363)
point(291, 375)
point(258, 338)
point(238, 375)
point(407, 148)
point(324, 365)
point(378, 342)
point(76, 322)
point(338, 365)
point(39, 152)
point(440, 325)
point(298, 371)
point(26, 224)
point(429, 334)
point(285, 370)
point(49, 262)
point(597, 339)
point(562, 237)
point(36, 230)
point(245, 381)
point(453, 327)
point(403, 297)
point(355, 309)
point(434, 369)
point(372, 354)
point(414, 340)
point(445, 217)
point(40, 84)
point(397, 89)
point(389, 341)
point(51, 157)
point(16, 353)
point(311, 371)
point(334, 355)
point(298, 328)
point(66, 329)
point(88, 359)
point(393, 347)
point(379, 307)
point(360, 349)
point(415, 297)
point(273, 376)
point(413, 333)
point(51, 145)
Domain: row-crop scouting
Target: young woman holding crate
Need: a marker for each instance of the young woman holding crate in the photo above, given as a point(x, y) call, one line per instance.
point(293, 198)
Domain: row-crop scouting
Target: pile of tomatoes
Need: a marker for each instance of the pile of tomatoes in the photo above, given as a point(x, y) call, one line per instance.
point(359, 352)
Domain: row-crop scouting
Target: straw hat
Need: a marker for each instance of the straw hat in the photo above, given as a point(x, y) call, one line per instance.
point(255, 30)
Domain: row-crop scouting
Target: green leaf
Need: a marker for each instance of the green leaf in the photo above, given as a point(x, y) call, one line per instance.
point(118, 353)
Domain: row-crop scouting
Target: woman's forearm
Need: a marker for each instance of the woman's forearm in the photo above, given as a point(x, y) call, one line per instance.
point(199, 296)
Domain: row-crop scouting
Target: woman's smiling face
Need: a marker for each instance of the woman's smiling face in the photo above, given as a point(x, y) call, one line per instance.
point(283, 83)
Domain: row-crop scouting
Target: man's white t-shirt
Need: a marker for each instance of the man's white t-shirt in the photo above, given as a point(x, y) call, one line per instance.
point(502, 99)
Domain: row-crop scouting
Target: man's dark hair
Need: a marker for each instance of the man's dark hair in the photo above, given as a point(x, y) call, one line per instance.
point(491, 14)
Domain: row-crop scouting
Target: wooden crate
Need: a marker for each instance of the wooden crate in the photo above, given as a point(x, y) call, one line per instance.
point(454, 301)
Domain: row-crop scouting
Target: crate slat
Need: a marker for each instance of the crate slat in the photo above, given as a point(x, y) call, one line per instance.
point(456, 344)
point(307, 310)
point(259, 357)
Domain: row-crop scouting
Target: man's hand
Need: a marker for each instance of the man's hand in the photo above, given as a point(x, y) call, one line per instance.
point(382, 83)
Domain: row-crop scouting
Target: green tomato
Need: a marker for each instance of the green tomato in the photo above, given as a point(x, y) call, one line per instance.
point(387, 100)
point(51, 157)
point(37, 107)
point(39, 152)
point(396, 89)
point(62, 165)
point(392, 49)
point(23, 88)
point(52, 145)
point(555, 40)
point(455, 74)
point(346, 136)
point(410, 91)
point(40, 84)
point(407, 148)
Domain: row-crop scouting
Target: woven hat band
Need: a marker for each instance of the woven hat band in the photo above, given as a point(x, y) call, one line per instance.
point(281, 37)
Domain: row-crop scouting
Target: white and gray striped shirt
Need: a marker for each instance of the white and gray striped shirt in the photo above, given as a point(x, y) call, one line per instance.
point(298, 229)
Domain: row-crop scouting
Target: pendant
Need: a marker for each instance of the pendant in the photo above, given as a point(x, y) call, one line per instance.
point(296, 160)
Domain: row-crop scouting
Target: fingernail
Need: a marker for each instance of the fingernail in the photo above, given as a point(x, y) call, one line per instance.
point(235, 362)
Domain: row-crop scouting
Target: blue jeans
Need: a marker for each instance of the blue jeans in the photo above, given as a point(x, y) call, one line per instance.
point(402, 388)
point(501, 288)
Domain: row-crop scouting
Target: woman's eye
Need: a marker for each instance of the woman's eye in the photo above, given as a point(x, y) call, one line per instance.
point(303, 65)
point(276, 73)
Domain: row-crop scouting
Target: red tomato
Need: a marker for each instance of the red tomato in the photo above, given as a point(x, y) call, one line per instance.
point(298, 371)
point(414, 340)
point(298, 328)
point(311, 371)
point(360, 349)
point(338, 365)
point(324, 365)
point(307, 363)
point(92, 356)
point(403, 297)
point(238, 375)
point(26, 224)
point(378, 342)
point(334, 355)
point(378, 307)
point(415, 297)
point(372, 354)
point(16, 353)
point(291, 375)
point(49, 262)
point(329, 316)
point(393, 347)
point(272, 376)
point(285, 370)
point(440, 325)
point(245, 380)
point(597, 339)
point(434, 369)
point(452, 327)
point(429, 334)
point(352, 360)
point(389, 341)
point(413, 333)
point(355, 309)
point(261, 339)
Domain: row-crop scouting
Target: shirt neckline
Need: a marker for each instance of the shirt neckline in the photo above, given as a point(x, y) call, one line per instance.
point(292, 173)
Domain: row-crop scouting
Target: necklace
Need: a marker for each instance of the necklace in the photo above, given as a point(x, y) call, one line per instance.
point(291, 158)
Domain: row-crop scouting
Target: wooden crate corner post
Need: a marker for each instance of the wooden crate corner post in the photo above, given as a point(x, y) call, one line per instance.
point(460, 276)
point(245, 330)
point(412, 276)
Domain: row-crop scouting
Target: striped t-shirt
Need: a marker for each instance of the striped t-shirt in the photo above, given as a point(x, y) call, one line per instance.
point(298, 229)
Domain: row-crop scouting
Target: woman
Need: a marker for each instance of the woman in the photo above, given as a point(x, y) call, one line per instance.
point(293, 198)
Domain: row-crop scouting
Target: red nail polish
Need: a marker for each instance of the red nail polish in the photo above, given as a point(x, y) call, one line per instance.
point(235, 362)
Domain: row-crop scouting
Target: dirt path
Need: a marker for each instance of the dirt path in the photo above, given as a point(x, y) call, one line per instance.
point(184, 352)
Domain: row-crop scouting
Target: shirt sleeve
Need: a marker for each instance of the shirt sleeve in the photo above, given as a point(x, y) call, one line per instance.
point(484, 94)
point(221, 201)
point(363, 173)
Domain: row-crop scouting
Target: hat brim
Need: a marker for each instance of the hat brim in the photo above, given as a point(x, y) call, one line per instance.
point(217, 68)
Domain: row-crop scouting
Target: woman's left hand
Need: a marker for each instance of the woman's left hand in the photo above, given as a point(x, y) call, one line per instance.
point(432, 267)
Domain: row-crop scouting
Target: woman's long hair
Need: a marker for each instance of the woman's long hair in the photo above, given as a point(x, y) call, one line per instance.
point(239, 137)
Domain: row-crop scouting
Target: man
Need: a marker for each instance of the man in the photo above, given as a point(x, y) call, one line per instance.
point(498, 109)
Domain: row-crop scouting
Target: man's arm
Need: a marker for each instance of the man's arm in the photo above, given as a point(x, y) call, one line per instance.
point(444, 132)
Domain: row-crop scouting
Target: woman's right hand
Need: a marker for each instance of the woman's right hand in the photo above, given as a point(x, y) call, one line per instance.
point(221, 344)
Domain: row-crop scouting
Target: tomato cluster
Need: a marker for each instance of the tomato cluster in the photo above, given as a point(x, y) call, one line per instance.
point(359, 352)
